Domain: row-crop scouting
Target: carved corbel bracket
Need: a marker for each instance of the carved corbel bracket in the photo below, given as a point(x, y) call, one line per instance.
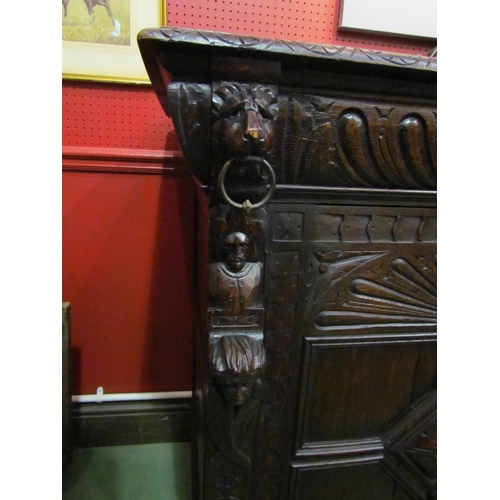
point(190, 105)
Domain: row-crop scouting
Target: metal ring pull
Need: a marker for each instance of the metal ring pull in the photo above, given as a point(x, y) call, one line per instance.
point(246, 206)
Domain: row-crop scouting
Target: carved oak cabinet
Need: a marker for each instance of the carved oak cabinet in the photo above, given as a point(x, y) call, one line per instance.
point(315, 374)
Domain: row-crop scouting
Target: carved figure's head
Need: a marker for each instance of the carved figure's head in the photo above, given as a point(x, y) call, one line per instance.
point(245, 115)
point(236, 246)
point(237, 362)
point(225, 221)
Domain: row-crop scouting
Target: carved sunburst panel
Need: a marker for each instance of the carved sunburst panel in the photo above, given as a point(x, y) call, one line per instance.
point(390, 286)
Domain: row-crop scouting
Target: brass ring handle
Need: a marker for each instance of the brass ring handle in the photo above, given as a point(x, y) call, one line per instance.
point(246, 206)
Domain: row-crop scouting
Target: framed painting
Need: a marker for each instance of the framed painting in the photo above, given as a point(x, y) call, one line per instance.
point(391, 17)
point(99, 38)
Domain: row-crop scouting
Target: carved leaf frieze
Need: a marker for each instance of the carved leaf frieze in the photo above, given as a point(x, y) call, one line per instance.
point(343, 143)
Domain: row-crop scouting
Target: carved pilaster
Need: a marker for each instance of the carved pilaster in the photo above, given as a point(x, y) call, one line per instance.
point(242, 136)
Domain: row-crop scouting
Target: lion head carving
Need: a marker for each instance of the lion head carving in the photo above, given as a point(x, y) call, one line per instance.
point(245, 115)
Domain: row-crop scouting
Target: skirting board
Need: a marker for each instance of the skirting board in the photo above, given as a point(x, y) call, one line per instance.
point(131, 422)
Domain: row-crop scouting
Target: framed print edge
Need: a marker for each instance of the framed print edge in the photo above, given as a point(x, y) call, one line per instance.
point(399, 18)
point(114, 63)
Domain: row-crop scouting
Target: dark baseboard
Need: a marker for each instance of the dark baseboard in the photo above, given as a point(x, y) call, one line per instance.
point(125, 423)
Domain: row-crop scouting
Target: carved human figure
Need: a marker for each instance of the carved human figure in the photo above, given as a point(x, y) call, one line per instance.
point(234, 285)
point(236, 364)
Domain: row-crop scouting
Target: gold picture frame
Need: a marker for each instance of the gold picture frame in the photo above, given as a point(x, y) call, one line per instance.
point(105, 61)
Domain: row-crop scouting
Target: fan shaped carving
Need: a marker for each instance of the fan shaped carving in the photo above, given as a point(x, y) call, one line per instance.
point(354, 288)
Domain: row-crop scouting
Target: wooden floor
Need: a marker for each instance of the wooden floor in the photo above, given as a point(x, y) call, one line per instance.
point(138, 472)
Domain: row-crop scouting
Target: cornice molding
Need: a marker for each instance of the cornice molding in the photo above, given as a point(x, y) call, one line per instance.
point(288, 47)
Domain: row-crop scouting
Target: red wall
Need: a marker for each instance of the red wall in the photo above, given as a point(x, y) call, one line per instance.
point(127, 261)
point(128, 241)
point(129, 205)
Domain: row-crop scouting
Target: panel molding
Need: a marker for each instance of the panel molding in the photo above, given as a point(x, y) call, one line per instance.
point(320, 450)
point(317, 449)
point(287, 194)
point(123, 160)
point(326, 463)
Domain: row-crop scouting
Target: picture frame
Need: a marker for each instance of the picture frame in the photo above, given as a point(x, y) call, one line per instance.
point(117, 57)
point(390, 17)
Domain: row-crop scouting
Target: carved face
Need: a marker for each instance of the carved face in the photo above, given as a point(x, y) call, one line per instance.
point(245, 118)
point(236, 246)
point(237, 363)
point(237, 389)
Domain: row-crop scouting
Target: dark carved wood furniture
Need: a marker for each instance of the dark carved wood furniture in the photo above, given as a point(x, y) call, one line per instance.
point(316, 349)
point(67, 441)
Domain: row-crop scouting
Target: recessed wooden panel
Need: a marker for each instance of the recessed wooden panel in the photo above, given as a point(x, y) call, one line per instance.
point(353, 482)
point(354, 392)
point(426, 374)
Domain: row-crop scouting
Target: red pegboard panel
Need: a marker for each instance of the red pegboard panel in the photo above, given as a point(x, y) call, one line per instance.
point(300, 20)
point(287, 19)
point(115, 116)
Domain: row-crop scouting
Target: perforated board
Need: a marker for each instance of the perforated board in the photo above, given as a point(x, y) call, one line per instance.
point(287, 19)
point(115, 116)
point(301, 20)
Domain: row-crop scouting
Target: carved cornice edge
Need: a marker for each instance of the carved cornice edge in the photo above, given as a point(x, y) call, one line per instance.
point(287, 47)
